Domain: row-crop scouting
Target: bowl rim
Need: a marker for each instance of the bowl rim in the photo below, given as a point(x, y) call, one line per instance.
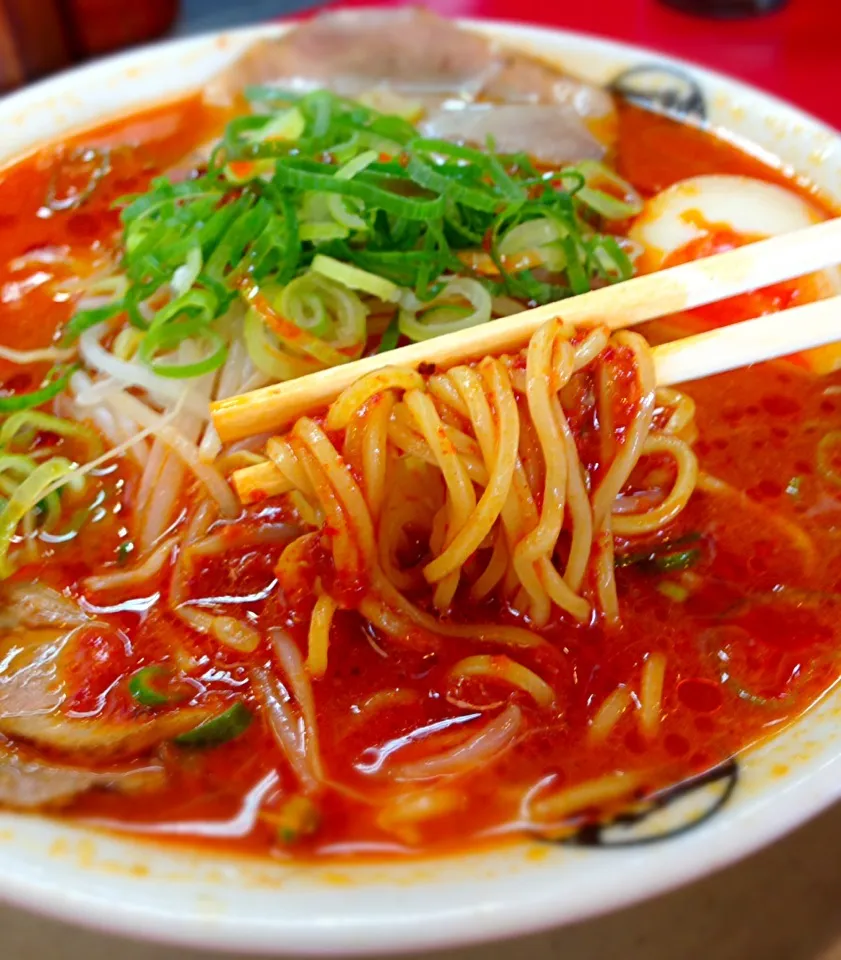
point(402, 930)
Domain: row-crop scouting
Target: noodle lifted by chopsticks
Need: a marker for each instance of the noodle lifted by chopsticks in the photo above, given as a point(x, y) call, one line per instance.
point(508, 478)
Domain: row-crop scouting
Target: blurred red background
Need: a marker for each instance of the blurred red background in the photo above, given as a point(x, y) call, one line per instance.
point(40, 36)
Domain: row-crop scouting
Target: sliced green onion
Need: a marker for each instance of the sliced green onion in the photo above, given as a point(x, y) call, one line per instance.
point(680, 560)
point(318, 223)
point(269, 356)
point(187, 274)
point(341, 211)
point(664, 554)
point(608, 205)
point(153, 686)
point(514, 192)
point(428, 177)
point(200, 305)
point(286, 125)
point(306, 175)
point(609, 259)
point(540, 235)
point(343, 314)
point(220, 729)
point(441, 318)
point(230, 249)
point(391, 337)
point(446, 317)
point(576, 270)
point(356, 165)
point(18, 466)
point(259, 93)
point(532, 233)
point(302, 302)
point(25, 498)
point(35, 421)
point(322, 232)
point(164, 339)
point(329, 312)
point(674, 591)
point(312, 206)
point(354, 278)
point(55, 381)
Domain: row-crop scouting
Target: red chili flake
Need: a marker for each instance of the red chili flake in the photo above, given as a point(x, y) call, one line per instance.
point(779, 405)
point(703, 696)
point(765, 490)
point(676, 745)
point(634, 742)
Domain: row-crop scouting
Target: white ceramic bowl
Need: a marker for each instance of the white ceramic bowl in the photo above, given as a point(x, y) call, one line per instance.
point(166, 894)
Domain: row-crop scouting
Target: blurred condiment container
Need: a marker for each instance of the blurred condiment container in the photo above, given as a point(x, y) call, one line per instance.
point(727, 9)
point(38, 37)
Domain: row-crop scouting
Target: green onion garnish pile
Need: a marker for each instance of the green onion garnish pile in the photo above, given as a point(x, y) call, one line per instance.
point(328, 224)
point(319, 228)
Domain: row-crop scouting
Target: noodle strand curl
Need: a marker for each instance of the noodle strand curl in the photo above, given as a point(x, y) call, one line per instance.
point(498, 479)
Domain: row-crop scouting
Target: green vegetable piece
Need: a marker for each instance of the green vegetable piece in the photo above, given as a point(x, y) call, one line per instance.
point(681, 560)
point(165, 338)
point(628, 204)
point(54, 383)
point(85, 319)
point(25, 497)
point(124, 551)
point(153, 686)
point(674, 591)
point(220, 729)
point(22, 427)
point(294, 174)
point(658, 556)
point(298, 818)
point(391, 336)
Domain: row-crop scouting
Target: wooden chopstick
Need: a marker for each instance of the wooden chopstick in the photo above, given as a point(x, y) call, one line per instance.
point(689, 285)
point(751, 341)
point(701, 355)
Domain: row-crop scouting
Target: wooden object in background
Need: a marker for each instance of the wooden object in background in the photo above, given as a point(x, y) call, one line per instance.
point(34, 40)
point(38, 37)
point(727, 9)
point(101, 26)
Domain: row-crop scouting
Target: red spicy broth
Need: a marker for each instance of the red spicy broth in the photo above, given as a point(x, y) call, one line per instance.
point(748, 645)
